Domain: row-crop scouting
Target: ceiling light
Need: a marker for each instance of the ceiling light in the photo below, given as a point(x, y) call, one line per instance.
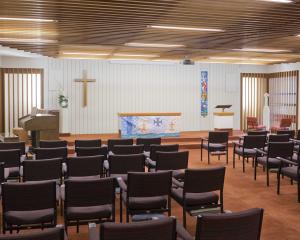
point(28, 40)
point(153, 45)
point(85, 53)
point(248, 59)
point(135, 55)
point(26, 19)
point(187, 28)
point(267, 50)
point(278, 1)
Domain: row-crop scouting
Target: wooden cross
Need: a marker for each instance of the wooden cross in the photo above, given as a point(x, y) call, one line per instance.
point(85, 82)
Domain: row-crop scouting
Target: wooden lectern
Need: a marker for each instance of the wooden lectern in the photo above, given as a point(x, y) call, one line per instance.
point(43, 124)
point(223, 121)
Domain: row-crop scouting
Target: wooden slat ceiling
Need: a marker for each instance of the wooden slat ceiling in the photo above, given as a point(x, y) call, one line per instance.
point(99, 26)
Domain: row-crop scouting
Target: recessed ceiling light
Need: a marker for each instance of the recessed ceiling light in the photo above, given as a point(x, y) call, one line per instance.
point(278, 1)
point(85, 53)
point(267, 50)
point(186, 28)
point(135, 55)
point(28, 40)
point(153, 45)
point(26, 19)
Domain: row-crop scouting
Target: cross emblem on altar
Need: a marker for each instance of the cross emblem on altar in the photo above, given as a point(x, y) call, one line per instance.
point(84, 80)
point(157, 122)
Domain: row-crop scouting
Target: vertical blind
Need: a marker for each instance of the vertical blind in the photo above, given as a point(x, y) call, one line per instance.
point(23, 90)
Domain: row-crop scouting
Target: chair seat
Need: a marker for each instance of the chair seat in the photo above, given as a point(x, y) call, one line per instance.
point(214, 146)
point(290, 172)
point(89, 213)
point(273, 162)
point(29, 217)
point(247, 151)
point(95, 177)
point(195, 199)
point(150, 163)
point(295, 158)
point(145, 203)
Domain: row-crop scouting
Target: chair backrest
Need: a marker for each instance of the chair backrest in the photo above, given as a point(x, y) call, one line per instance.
point(162, 148)
point(147, 142)
point(29, 196)
point(53, 143)
point(149, 184)
point(291, 133)
point(252, 122)
point(48, 153)
point(254, 133)
point(285, 122)
point(206, 179)
point(88, 143)
point(244, 225)
point(281, 149)
point(10, 158)
point(84, 193)
point(278, 138)
point(254, 141)
point(163, 229)
point(172, 160)
point(112, 142)
point(218, 137)
point(57, 233)
point(2, 176)
point(122, 164)
point(298, 134)
point(91, 151)
point(40, 170)
point(13, 145)
point(123, 149)
point(85, 166)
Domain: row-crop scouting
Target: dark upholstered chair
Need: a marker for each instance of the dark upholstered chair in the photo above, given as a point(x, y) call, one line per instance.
point(146, 193)
point(48, 153)
point(29, 204)
point(89, 200)
point(269, 159)
point(254, 133)
point(14, 145)
point(112, 142)
point(88, 166)
point(57, 233)
point(147, 142)
point(11, 160)
point(198, 190)
point(150, 162)
point(278, 138)
point(120, 165)
point(91, 151)
point(246, 149)
point(53, 143)
point(291, 170)
point(244, 225)
point(175, 161)
point(291, 133)
point(124, 150)
point(216, 143)
point(88, 143)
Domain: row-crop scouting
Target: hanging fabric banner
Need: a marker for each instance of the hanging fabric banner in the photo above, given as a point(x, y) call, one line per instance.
point(204, 93)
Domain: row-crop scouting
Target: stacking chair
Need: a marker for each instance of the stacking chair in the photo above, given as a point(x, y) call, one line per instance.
point(91, 151)
point(291, 133)
point(216, 143)
point(246, 149)
point(89, 200)
point(177, 162)
point(85, 167)
point(146, 193)
point(254, 133)
point(125, 150)
point(120, 165)
point(151, 161)
point(278, 138)
point(197, 192)
point(269, 159)
point(147, 142)
point(244, 225)
point(88, 143)
point(48, 153)
point(30, 204)
point(57, 233)
point(53, 143)
point(11, 160)
point(15, 145)
point(112, 142)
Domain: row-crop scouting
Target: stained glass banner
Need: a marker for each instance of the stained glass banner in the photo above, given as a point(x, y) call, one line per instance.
point(204, 93)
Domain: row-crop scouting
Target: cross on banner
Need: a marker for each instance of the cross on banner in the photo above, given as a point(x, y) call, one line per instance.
point(84, 80)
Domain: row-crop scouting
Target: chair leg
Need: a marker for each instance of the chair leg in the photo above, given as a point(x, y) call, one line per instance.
point(298, 184)
point(184, 217)
point(121, 208)
point(227, 156)
point(268, 177)
point(127, 215)
point(278, 183)
point(244, 164)
point(233, 160)
point(219, 157)
point(201, 152)
point(208, 157)
point(292, 182)
point(255, 168)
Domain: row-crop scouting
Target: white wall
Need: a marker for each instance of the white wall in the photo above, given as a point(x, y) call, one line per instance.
point(136, 87)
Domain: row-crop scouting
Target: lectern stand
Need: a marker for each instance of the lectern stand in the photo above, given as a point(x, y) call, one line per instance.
point(223, 121)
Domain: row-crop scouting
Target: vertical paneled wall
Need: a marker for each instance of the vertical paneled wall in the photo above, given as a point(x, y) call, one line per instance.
point(136, 87)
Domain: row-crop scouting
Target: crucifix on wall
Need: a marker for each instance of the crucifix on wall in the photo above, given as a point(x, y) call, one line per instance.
point(84, 80)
